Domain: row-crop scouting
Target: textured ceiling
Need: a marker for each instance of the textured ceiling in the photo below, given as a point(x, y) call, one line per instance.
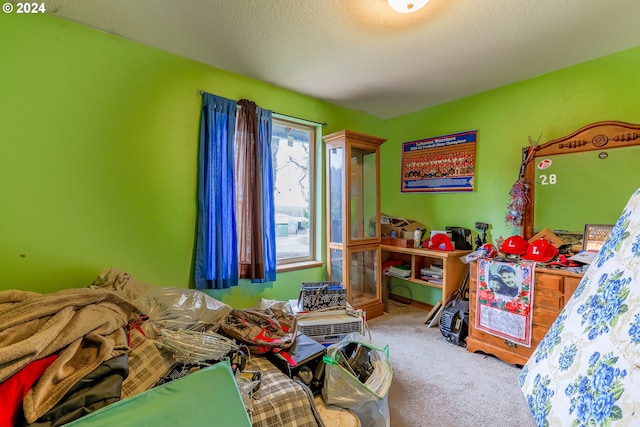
point(361, 54)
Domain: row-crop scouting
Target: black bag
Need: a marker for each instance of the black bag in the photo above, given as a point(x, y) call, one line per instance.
point(262, 331)
point(461, 237)
point(302, 361)
point(454, 322)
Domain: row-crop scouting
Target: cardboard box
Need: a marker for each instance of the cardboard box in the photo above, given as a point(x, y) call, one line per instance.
point(404, 228)
point(389, 224)
point(413, 225)
point(550, 236)
point(394, 241)
point(386, 229)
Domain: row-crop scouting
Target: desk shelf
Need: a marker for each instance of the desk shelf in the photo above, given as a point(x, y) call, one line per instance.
point(417, 281)
point(453, 269)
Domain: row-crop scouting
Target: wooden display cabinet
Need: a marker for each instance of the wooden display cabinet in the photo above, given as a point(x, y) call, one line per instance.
point(353, 217)
point(551, 291)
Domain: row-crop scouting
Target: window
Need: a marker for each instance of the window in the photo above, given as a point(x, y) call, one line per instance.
point(293, 152)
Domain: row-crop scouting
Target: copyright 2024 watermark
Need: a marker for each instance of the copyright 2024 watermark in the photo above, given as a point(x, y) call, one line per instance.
point(24, 8)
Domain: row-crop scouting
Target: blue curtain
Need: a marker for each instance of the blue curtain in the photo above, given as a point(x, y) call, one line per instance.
point(264, 118)
point(216, 246)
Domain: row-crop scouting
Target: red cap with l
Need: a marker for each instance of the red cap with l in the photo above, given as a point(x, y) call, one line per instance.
point(541, 250)
point(514, 245)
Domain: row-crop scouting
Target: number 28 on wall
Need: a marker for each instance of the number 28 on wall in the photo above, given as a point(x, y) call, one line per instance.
point(550, 179)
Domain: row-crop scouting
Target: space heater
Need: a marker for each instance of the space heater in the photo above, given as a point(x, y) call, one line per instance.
point(331, 326)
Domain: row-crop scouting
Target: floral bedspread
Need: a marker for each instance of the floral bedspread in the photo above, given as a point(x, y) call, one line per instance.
point(586, 370)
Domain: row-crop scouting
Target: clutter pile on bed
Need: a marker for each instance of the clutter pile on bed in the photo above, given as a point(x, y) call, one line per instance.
point(83, 355)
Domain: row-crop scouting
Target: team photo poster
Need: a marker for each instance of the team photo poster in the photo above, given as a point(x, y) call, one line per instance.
point(442, 164)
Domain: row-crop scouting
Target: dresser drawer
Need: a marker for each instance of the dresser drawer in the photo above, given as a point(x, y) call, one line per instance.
point(498, 342)
point(544, 317)
point(548, 299)
point(537, 333)
point(548, 281)
point(570, 285)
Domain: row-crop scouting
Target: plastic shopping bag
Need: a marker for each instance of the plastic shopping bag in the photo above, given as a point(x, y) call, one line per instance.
point(180, 308)
point(358, 375)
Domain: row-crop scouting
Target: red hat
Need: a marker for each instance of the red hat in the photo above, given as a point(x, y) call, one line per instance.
point(541, 250)
point(441, 241)
point(490, 250)
point(514, 245)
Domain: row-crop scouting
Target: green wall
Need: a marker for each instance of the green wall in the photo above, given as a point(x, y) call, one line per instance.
point(99, 148)
point(553, 105)
point(99, 152)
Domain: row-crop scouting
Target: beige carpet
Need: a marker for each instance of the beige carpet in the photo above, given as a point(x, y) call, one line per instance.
point(439, 384)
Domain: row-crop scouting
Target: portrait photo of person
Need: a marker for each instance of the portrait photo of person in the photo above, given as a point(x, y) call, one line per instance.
point(496, 284)
point(504, 281)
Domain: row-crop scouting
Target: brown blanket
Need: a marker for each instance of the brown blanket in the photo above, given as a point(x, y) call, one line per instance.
point(84, 326)
point(117, 280)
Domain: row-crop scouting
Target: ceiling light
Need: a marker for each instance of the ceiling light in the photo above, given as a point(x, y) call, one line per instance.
point(407, 6)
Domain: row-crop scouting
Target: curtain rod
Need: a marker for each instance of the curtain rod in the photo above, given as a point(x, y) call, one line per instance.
point(324, 124)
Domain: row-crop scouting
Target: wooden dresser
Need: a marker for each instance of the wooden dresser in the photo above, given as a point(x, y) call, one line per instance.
point(552, 289)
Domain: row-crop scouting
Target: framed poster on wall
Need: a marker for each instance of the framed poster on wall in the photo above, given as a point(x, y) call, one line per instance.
point(442, 164)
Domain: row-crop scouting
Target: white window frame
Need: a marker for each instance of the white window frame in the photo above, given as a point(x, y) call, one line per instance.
point(315, 130)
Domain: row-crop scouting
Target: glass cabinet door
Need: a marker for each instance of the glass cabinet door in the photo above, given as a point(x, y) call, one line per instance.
point(363, 283)
point(335, 265)
point(363, 193)
point(335, 183)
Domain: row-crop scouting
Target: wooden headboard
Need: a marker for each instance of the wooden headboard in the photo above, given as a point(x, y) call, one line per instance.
point(595, 136)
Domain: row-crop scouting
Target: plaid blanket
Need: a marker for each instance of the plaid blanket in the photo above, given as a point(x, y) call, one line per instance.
point(281, 401)
point(147, 364)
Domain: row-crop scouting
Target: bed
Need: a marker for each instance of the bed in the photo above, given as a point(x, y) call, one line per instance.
point(585, 370)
